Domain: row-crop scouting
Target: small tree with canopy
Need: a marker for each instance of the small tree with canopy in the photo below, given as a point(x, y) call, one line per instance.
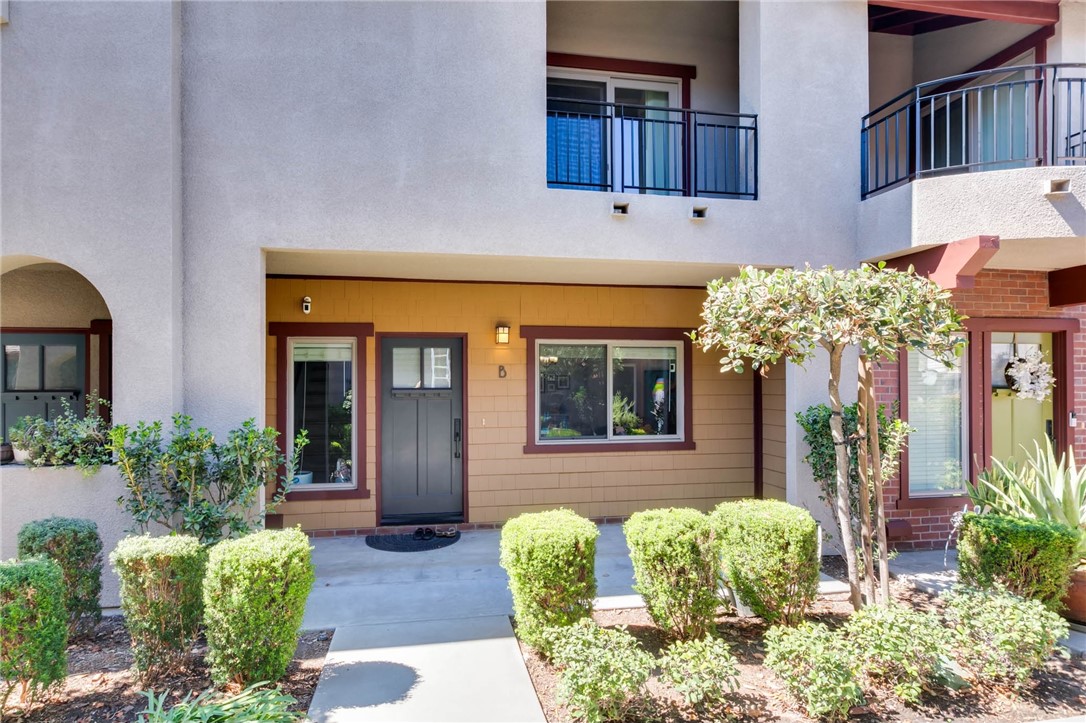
point(761, 317)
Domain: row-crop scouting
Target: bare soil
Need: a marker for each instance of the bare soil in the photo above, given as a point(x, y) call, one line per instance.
point(102, 687)
point(1056, 692)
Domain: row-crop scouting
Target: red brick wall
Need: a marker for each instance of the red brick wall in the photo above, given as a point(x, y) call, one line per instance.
point(997, 293)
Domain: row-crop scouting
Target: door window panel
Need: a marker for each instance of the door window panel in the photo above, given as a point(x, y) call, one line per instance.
point(406, 368)
point(22, 364)
point(437, 368)
point(61, 367)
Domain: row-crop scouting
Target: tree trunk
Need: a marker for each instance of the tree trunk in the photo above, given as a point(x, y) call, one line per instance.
point(864, 452)
point(880, 501)
point(844, 516)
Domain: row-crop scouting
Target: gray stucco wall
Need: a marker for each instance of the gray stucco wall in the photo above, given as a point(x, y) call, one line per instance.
point(88, 172)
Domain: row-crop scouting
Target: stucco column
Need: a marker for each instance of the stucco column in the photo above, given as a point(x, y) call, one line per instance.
point(1066, 46)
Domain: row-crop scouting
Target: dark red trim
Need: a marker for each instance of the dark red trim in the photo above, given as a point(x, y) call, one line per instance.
point(381, 336)
point(608, 333)
point(759, 442)
point(1067, 287)
point(1037, 41)
point(282, 331)
point(476, 281)
point(951, 265)
point(1029, 12)
point(685, 73)
point(103, 328)
point(44, 330)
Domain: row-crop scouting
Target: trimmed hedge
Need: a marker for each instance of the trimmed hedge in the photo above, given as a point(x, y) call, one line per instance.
point(33, 627)
point(73, 544)
point(161, 579)
point(550, 558)
point(1001, 636)
point(254, 598)
point(675, 566)
point(1031, 558)
point(769, 556)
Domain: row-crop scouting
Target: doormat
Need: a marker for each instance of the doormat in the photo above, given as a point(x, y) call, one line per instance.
point(408, 543)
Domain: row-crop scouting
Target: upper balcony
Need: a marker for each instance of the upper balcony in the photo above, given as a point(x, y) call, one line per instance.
point(644, 146)
point(1009, 117)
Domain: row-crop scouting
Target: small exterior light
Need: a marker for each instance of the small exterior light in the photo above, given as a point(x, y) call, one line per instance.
point(501, 334)
point(307, 304)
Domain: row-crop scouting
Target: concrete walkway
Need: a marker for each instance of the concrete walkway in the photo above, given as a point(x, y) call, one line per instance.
point(927, 571)
point(426, 636)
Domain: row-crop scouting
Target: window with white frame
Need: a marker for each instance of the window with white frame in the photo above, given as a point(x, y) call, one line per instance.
point(600, 391)
point(320, 400)
point(938, 448)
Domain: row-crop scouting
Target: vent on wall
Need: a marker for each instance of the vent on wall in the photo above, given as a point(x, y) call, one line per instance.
point(621, 208)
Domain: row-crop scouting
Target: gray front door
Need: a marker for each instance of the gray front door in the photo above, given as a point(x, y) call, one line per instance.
point(422, 430)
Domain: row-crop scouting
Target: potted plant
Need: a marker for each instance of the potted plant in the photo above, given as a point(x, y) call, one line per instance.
point(1046, 488)
point(26, 436)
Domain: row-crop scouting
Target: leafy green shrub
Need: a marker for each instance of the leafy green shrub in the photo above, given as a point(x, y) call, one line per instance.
point(1031, 558)
point(255, 704)
point(675, 565)
point(550, 558)
point(67, 439)
point(161, 579)
point(73, 544)
point(33, 628)
point(254, 599)
point(768, 556)
point(1045, 488)
point(196, 486)
point(702, 671)
point(898, 647)
point(1001, 636)
point(602, 670)
point(813, 662)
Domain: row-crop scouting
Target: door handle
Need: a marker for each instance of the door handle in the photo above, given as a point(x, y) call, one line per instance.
point(456, 437)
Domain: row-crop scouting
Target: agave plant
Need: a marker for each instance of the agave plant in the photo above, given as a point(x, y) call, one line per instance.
point(1045, 488)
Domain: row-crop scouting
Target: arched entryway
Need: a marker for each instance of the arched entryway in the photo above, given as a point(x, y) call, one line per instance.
point(56, 337)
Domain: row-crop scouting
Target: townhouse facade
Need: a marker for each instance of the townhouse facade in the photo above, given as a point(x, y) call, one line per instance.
point(461, 244)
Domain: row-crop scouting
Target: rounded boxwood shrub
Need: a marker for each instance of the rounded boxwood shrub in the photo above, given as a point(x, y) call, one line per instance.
point(254, 598)
point(769, 556)
point(1031, 558)
point(161, 580)
point(675, 566)
point(550, 558)
point(1001, 636)
point(33, 628)
point(73, 544)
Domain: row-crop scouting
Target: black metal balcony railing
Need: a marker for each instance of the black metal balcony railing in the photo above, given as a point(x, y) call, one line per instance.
point(1029, 115)
point(597, 146)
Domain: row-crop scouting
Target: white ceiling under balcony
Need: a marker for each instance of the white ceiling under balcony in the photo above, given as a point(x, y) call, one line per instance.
point(464, 267)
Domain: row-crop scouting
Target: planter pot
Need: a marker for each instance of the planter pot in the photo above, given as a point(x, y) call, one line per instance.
point(20, 455)
point(729, 596)
point(6, 455)
point(304, 478)
point(1075, 602)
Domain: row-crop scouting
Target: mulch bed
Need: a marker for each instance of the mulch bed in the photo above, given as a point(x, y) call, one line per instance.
point(1057, 691)
point(101, 686)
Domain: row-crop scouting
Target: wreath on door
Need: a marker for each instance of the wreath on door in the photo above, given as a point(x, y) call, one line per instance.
point(1030, 376)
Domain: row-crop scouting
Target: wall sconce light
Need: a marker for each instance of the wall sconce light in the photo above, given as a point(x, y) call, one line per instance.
point(307, 304)
point(501, 334)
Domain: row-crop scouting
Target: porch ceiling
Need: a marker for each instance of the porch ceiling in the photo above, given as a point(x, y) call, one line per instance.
point(461, 267)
